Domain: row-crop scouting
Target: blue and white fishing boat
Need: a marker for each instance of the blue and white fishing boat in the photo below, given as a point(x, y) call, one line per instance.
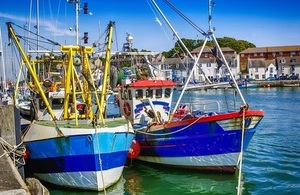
point(77, 146)
point(209, 136)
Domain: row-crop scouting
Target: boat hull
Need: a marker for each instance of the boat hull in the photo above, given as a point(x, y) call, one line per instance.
point(209, 143)
point(80, 158)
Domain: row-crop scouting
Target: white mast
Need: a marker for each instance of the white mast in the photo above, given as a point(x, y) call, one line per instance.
point(77, 9)
point(77, 21)
point(2, 62)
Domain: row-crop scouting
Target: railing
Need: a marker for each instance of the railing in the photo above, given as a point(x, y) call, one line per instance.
point(205, 106)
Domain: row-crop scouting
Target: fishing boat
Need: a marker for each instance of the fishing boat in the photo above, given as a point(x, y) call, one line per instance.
point(245, 84)
point(76, 146)
point(206, 137)
point(291, 84)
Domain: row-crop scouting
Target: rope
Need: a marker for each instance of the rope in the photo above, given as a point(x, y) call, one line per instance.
point(241, 153)
point(154, 134)
point(99, 158)
point(16, 153)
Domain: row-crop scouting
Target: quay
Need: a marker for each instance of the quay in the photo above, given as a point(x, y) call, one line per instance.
point(12, 179)
point(277, 83)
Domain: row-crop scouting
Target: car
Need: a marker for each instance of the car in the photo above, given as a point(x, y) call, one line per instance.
point(249, 79)
point(294, 77)
point(283, 77)
point(270, 79)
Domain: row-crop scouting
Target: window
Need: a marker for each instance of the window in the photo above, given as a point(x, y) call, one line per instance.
point(282, 61)
point(158, 93)
point(139, 94)
point(256, 69)
point(129, 95)
point(255, 54)
point(149, 93)
point(261, 54)
point(168, 92)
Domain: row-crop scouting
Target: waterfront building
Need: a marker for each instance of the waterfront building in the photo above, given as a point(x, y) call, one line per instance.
point(286, 61)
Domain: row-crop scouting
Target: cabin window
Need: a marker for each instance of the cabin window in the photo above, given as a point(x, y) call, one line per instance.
point(167, 92)
point(149, 93)
point(139, 94)
point(158, 93)
point(129, 95)
point(123, 94)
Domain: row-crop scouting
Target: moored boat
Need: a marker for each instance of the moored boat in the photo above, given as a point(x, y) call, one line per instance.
point(72, 144)
point(209, 136)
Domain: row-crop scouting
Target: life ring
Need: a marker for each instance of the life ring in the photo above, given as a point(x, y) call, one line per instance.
point(127, 109)
point(117, 100)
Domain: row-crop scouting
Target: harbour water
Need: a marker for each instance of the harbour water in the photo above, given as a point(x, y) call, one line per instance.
point(271, 165)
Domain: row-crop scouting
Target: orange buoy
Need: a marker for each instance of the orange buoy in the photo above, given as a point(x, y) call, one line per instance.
point(134, 150)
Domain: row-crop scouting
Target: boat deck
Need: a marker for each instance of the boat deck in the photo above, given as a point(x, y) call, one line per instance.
point(110, 122)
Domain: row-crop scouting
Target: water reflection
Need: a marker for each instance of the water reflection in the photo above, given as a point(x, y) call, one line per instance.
point(143, 179)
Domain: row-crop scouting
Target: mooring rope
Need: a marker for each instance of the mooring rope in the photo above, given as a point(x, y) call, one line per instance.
point(239, 190)
point(99, 157)
point(15, 152)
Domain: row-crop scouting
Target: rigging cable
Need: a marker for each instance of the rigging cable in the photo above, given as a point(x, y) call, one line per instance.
point(166, 34)
point(185, 18)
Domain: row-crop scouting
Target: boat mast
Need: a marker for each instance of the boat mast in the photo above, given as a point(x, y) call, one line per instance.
point(2, 63)
point(210, 33)
point(14, 37)
point(77, 10)
point(106, 68)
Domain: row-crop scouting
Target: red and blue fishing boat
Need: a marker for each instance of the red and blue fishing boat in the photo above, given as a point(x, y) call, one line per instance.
point(186, 134)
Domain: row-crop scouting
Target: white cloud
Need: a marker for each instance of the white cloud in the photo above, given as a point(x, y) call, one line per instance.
point(47, 26)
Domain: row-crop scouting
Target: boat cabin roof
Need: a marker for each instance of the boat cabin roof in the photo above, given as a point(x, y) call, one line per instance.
point(146, 83)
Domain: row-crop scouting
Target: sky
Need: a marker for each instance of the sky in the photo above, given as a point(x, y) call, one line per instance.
point(261, 22)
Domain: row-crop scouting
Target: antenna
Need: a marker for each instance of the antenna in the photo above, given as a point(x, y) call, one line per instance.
point(77, 9)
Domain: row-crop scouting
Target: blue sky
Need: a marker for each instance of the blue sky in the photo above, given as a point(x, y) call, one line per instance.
point(262, 22)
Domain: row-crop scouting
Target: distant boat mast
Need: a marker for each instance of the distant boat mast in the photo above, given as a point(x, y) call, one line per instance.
point(3, 66)
point(77, 9)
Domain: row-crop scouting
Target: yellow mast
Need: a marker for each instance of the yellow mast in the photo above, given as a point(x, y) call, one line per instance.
point(106, 69)
point(31, 70)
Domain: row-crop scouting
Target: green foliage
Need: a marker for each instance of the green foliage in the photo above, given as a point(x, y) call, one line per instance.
point(237, 45)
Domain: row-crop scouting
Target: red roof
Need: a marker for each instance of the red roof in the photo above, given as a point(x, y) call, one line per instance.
point(151, 83)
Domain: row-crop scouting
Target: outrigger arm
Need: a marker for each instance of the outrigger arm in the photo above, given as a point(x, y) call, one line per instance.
point(13, 35)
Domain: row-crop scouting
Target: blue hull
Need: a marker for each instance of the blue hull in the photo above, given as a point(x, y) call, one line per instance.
point(210, 145)
point(78, 153)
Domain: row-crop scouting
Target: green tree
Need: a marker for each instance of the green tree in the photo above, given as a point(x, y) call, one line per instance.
point(237, 45)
